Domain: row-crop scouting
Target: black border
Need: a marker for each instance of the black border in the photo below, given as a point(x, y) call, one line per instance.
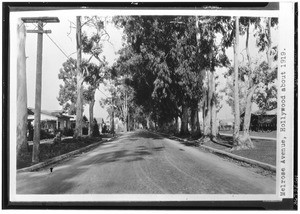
point(20, 6)
point(286, 204)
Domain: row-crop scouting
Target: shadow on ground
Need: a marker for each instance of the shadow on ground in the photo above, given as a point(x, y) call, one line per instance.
point(61, 177)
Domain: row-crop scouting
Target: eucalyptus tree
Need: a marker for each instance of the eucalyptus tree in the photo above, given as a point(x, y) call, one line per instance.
point(149, 41)
point(236, 127)
point(67, 91)
point(93, 76)
point(258, 73)
point(92, 46)
point(214, 37)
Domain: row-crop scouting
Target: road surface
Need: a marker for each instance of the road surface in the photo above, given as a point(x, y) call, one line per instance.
point(145, 163)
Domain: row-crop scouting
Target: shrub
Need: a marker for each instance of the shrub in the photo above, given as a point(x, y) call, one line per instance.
point(95, 132)
point(68, 132)
point(57, 138)
point(44, 134)
point(104, 129)
point(85, 131)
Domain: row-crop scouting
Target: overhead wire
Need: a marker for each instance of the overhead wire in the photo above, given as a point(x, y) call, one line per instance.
point(58, 46)
point(67, 56)
point(55, 44)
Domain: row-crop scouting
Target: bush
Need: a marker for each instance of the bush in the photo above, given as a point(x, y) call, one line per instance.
point(104, 129)
point(57, 138)
point(45, 134)
point(96, 132)
point(85, 131)
point(68, 132)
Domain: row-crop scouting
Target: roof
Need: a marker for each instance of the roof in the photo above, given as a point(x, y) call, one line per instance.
point(51, 115)
point(43, 117)
point(261, 112)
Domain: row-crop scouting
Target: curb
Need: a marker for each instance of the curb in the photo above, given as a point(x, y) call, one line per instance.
point(239, 158)
point(59, 158)
point(233, 156)
point(253, 137)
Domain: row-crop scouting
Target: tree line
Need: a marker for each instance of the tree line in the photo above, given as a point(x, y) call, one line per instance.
point(168, 69)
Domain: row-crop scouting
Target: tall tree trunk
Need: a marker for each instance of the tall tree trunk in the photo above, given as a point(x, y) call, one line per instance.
point(245, 140)
point(184, 120)
point(79, 77)
point(21, 89)
point(112, 119)
point(214, 125)
point(148, 122)
point(176, 125)
point(126, 112)
point(207, 108)
point(91, 112)
point(195, 126)
point(236, 86)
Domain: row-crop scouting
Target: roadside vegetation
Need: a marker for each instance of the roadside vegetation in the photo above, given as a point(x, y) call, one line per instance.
point(167, 72)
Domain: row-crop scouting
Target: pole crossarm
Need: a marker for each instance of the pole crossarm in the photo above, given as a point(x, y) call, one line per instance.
point(40, 19)
point(38, 31)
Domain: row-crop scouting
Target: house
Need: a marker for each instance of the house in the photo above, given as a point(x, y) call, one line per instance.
point(51, 120)
point(226, 124)
point(262, 120)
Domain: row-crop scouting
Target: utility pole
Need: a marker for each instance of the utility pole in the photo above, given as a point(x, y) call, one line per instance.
point(38, 87)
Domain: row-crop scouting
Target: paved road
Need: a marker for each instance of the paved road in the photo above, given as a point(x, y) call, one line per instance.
point(142, 162)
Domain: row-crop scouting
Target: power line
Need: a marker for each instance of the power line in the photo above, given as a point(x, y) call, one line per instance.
point(103, 93)
point(58, 46)
point(55, 44)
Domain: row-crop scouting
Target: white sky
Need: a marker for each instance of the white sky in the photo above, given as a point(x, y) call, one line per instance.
point(53, 59)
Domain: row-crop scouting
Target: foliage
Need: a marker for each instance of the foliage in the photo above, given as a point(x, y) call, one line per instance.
point(96, 132)
point(263, 77)
point(85, 130)
point(67, 91)
point(68, 132)
point(161, 60)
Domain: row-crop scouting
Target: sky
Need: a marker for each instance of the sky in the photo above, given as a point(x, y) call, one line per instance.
point(63, 34)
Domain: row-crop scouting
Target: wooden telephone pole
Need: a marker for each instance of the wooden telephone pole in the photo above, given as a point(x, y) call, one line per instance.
point(38, 88)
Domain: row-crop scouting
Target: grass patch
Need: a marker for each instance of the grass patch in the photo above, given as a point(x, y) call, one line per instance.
point(48, 151)
point(272, 134)
point(264, 151)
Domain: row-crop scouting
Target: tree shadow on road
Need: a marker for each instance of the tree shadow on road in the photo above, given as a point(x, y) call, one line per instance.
point(145, 134)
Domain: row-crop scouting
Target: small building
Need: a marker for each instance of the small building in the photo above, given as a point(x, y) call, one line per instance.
point(226, 124)
point(51, 120)
point(262, 120)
